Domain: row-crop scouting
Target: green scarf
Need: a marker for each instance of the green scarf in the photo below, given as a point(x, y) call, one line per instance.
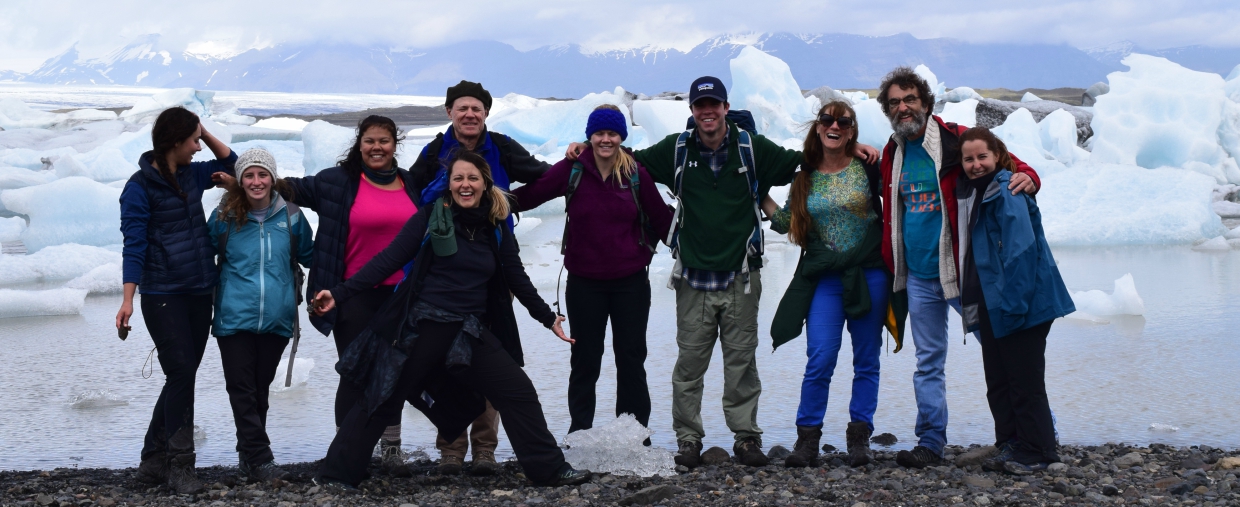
point(441, 228)
point(817, 259)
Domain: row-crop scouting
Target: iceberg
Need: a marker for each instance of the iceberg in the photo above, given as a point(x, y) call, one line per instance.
point(1058, 135)
point(616, 448)
point(1216, 244)
point(68, 210)
point(146, 109)
point(661, 118)
point(97, 398)
point(11, 228)
point(963, 112)
point(40, 303)
point(562, 122)
point(105, 279)
point(938, 89)
point(323, 144)
point(15, 114)
point(763, 84)
point(961, 94)
point(301, 374)
point(1124, 300)
point(1159, 114)
point(1110, 204)
point(58, 262)
point(1029, 97)
point(20, 177)
point(873, 127)
point(278, 123)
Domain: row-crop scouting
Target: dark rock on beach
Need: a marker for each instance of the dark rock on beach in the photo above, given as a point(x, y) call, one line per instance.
point(1108, 474)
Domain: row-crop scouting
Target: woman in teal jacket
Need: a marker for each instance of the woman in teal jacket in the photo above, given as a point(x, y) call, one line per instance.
point(1010, 293)
point(256, 233)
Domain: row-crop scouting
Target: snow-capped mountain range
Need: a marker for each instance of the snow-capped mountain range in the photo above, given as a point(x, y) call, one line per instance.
point(837, 60)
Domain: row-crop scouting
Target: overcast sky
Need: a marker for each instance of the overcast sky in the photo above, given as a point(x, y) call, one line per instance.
point(32, 31)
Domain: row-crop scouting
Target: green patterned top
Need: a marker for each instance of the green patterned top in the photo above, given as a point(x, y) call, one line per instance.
point(840, 206)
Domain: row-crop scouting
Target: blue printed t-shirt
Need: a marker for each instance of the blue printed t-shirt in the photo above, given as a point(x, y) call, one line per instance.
point(923, 213)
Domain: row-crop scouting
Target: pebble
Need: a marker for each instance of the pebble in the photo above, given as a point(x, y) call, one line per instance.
point(1090, 475)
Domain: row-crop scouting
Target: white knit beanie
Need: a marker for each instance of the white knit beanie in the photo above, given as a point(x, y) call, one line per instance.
point(256, 157)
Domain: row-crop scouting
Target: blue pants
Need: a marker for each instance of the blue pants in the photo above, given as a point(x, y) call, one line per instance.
point(824, 330)
point(927, 315)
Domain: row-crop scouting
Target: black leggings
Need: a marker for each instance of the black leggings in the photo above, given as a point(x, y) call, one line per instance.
point(353, 317)
point(178, 324)
point(492, 373)
point(1016, 389)
point(626, 302)
point(250, 362)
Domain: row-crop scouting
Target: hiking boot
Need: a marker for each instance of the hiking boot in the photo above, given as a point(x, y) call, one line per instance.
point(749, 452)
point(484, 464)
point(182, 479)
point(392, 459)
point(858, 437)
point(264, 472)
point(568, 476)
point(153, 470)
point(1018, 468)
point(919, 457)
point(995, 463)
point(334, 488)
point(805, 452)
point(689, 453)
point(450, 464)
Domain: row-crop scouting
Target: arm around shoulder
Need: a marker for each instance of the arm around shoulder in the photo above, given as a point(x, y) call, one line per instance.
point(552, 184)
point(525, 168)
point(776, 164)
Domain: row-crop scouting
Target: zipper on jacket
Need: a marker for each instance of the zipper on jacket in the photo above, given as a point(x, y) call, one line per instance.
point(262, 272)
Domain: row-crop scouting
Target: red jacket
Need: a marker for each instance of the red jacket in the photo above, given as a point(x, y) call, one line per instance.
point(948, 172)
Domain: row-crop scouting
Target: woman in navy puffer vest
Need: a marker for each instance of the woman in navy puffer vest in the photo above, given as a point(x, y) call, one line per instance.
point(169, 259)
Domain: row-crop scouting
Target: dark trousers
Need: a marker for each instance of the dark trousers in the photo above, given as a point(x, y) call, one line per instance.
point(626, 301)
point(353, 316)
point(178, 324)
point(250, 362)
point(492, 373)
point(1016, 389)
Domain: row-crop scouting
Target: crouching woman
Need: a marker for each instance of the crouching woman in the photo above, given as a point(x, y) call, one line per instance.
point(1010, 292)
point(447, 339)
point(260, 240)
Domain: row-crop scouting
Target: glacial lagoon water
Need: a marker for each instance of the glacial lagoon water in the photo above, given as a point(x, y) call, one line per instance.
point(1177, 366)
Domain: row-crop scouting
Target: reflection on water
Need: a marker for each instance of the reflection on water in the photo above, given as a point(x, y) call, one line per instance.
point(1175, 367)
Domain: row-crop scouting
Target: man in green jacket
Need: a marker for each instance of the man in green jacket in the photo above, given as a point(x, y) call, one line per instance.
point(717, 282)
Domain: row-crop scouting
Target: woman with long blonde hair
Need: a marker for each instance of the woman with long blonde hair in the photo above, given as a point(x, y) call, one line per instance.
point(614, 219)
point(833, 214)
point(447, 339)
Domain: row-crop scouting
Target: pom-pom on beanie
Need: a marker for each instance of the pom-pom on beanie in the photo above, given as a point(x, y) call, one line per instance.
point(468, 89)
point(607, 119)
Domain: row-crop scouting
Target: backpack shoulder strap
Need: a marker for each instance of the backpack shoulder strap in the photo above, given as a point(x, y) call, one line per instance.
point(635, 182)
point(504, 143)
point(574, 179)
point(293, 212)
point(222, 240)
point(748, 165)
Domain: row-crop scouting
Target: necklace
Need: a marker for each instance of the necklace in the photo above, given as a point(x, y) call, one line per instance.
point(469, 232)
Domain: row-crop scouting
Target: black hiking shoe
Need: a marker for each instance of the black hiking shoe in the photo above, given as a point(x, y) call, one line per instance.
point(858, 438)
point(1018, 468)
point(689, 453)
point(749, 452)
point(568, 476)
point(333, 487)
point(182, 478)
point(153, 470)
point(995, 463)
point(805, 452)
point(265, 472)
point(919, 457)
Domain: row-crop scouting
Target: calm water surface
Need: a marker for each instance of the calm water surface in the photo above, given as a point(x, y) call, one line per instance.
point(1178, 365)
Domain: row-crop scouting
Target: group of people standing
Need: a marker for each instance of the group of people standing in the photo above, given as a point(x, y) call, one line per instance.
point(415, 273)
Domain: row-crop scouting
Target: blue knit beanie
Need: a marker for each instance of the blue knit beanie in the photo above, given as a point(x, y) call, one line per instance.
point(607, 119)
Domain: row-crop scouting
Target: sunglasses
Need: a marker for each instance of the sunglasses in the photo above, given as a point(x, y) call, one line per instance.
point(843, 121)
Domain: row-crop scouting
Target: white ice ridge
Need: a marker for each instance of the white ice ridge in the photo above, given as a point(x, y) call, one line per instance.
point(59, 262)
point(105, 279)
point(1093, 304)
point(39, 303)
point(15, 114)
point(301, 374)
point(616, 448)
point(68, 210)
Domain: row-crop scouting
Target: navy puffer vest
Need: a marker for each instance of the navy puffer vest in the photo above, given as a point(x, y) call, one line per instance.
point(179, 254)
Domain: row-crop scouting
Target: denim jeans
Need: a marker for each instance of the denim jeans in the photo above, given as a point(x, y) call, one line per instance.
point(927, 312)
point(824, 334)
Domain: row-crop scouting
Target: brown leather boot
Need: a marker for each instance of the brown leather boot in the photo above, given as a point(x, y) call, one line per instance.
point(805, 452)
point(858, 436)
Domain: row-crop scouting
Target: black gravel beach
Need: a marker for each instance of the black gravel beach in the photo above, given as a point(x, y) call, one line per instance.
point(1090, 475)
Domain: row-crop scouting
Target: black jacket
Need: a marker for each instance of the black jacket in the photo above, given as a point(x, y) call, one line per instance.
point(330, 193)
point(518, 163)
point(455, 405)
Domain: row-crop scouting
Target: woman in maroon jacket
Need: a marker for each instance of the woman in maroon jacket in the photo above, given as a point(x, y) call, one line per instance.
point(610, 235)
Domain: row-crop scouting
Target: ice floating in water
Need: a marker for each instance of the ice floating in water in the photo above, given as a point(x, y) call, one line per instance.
point(526, 225)
point(282, 123)
point(963, 112)
point(961, 94)
point(938, 89)
point(38, 303)
point(873, 127)
point(1163, 428)
point(301, 374)
point(323, 144)
point(60, 262)
point(1124, 300)
point(1217, 244)
point(96, 398)
point(11, 228)
point(563, 122)
point(661, 118)
point(15, 114)
point(763, 84)
point(105, 279)
point(92, 216)
point(199, 434)
point(616, 448)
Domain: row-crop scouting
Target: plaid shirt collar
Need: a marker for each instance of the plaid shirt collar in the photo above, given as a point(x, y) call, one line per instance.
point(715, 158)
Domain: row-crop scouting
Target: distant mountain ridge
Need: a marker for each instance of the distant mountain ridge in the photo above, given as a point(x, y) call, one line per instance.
point(566, 71)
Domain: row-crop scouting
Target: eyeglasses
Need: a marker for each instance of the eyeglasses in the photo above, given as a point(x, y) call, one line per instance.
point(908, 99)
point(843, 121)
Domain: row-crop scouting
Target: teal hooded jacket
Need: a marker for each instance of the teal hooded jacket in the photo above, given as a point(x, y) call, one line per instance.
point(255, 293)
